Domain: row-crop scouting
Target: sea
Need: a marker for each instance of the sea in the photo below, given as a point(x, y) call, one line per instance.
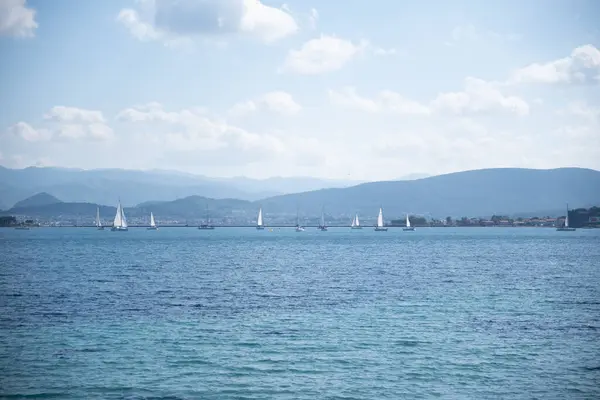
point(236, 313)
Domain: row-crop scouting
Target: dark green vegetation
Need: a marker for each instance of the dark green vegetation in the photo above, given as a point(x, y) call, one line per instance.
point(414, 221)
point(472, 193)
point(8, 221)
point(582, 217)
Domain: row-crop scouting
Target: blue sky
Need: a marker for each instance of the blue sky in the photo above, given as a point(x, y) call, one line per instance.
point(368, 90)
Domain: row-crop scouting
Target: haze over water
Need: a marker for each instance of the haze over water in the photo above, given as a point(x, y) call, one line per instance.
point(239, 313)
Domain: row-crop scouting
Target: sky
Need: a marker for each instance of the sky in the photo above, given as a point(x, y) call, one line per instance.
point(343, 90)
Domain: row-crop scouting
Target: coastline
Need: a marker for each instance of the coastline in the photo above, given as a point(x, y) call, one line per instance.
point(292, 226)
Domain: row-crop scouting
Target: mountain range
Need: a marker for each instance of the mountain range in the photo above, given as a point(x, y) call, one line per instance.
point(469, 193)
point(506, 191)
point(105, 186)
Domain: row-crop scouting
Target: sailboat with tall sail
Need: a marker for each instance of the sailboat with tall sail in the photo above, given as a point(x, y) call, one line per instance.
point(322, 226)
point(120, 222)
point(259, 221)
point(379, 227)
point(299, 228)
point(355, 223)
point(207, 224)
point(98, 222)
point(408, 227)
point(565, 227)
point(152, 226)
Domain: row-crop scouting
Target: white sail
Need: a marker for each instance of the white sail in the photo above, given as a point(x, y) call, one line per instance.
point(152, 223)
point(322, 219)
point(118, 221)
point(259, 221)
point(357, 221)
point(98, 223)
point(567, 218)
point(380, 219)
point(407, 221)
point(353, 221)
point(123, 219)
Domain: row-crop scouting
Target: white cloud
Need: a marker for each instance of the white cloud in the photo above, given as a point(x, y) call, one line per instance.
point(268, 23)
point(278, 102)
point(385, 101)
point(25, 131)
point(73, 114)
point(16, 19)
point(583, 65)
point(321, 55)
point(188, 131)
point(479, 97)
point(94, 131)
point(154, 112)
point(65, 123)
point(177, 22)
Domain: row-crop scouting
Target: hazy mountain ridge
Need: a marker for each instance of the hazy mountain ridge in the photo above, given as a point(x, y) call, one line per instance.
point(37, 200)
point(105, 186)
point(507, 191)
point(469, 193)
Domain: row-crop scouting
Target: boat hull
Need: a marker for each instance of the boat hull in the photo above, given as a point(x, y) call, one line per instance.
point(100, 228)
point(381, 229)
point(411, 229)
point(206, 227)
point(565, 229)
point(322, 228)
point(299, 229)
point(118, 229)
point(260, 228)
point(152, 228)
point(356, 227)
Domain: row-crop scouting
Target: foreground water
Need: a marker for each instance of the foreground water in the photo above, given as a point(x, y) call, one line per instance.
point(238, 313)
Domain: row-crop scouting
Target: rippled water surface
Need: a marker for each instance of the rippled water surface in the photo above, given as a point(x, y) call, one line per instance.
point(481, 313)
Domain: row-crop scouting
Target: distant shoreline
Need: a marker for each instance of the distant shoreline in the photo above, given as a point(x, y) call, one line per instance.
point(281, 226)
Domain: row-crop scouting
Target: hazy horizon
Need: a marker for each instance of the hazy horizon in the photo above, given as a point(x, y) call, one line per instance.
point(409, 176)
point(300, 89)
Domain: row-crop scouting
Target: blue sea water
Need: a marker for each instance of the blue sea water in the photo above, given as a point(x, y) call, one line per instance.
point(180, 313)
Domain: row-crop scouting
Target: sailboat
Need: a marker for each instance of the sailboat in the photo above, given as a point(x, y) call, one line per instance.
point(98, 223)
point(565, 227)
point(379, 227)
point(152, 226)
point(299, 228)
point(355, 222)
point(207, 224)
point(408, 227)
point(259, 221)
point(322, 225)
point(120, 222)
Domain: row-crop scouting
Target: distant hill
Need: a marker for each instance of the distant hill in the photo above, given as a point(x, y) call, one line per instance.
point(188, 207)
point(505, 191)
point(289, 185)
point(412, 177)
point(84, 210)
point(37, 200)
point(470, 193)
point(105, 186)
point(194, 206)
